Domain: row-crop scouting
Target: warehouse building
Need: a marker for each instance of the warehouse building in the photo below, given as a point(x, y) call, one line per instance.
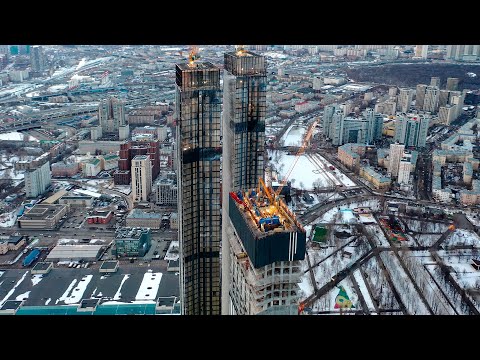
point(75, 252)
point(43, 216)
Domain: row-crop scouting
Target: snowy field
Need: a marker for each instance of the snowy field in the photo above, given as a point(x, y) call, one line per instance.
point(305, 285)
point(332, 215)
point(381, 290)
point(149, 286)
point(363, 289)
point(426, 239)
point(294, 136)
point(403, 285)
point(309, 170)
point(8, 219)
point(17, 136)
point(425, 226)
point(463, 237)
point(375, 231)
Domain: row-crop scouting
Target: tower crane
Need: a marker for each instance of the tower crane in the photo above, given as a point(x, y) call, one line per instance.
point(300, 151)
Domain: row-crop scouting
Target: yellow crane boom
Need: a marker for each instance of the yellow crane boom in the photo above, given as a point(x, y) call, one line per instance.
point(300, 151)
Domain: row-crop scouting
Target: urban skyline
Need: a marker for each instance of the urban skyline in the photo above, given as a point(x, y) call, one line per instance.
point(246, 179)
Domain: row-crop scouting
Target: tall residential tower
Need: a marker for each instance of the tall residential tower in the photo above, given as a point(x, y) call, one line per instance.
point(199, 151)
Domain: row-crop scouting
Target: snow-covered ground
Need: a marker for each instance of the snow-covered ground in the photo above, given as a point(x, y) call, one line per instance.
point(8, 219)
point(17, 136)
point(87, 192)
point(308, 170)
point(332, 215)
point(36, 279)
point(425, 226)
point(426, 239)
point(463, 237)
point(118, 294)
point(294, 135)
point(379, 285)
point(149, 286)
point(404, 286)
point(363, 289)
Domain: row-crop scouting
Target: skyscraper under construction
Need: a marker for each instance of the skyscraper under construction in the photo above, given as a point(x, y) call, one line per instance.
point(243, 263)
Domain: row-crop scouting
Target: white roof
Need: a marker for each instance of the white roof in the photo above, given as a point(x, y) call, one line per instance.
point(82, 251)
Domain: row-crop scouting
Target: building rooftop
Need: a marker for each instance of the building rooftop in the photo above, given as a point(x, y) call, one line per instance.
point(109, 265)
point(74, 251)
point(378, 176)
point(139, 214)
point(140, 157)
point(130, 233)
point(42, 211)
point(52, 199)
point(199, 65)
point(11, 305)
point(39, 266)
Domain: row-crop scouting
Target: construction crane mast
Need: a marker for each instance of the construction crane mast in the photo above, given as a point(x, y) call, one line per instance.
point(300, 151)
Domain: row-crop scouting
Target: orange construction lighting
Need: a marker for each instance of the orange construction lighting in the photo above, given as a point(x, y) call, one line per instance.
point(451, 227)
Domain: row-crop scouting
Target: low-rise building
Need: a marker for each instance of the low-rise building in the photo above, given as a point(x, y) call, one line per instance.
point(3, 247)
point(138, 218)
point(43, 216)
point(109, 162)
point(15, 242)
point(100, 217)
point(76, 252)
point(471, 197)
point(77, 200)
point(174, 221)
point(350, 155)
point(132, 242)
point(378, 180)
point(91, 167)
point(61, 169)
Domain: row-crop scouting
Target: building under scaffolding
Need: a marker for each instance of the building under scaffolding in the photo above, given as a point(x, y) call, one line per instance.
point(267, 245)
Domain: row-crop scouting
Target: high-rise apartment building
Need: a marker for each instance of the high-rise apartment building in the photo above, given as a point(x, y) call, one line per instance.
point(128, 151)
point(166, 191)
point(421, 51)
point(430, 103)
point(111, 118)
point(37, 180)
point(141, 178)
point(37, 59)
point(420, 96)
point(463, 52)
point(404, 100)
point(452, 84)
point(198, 115)
point(447, 114)
point(364, 129)
point(411, 130)
point(404, 170)
point(396, 154)
point(327, 118)
point(243, 135)
point(435, 81)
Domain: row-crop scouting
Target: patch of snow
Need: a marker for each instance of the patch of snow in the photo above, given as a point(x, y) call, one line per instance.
point(149, 286)
point(36, 279)
point(8, 219)
point(48, 301)
point(463, 237)
point(363, 289)
point(23, 296)
point(13, 289)
point(118, 294)
point(77, 293)
point(67, 292)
